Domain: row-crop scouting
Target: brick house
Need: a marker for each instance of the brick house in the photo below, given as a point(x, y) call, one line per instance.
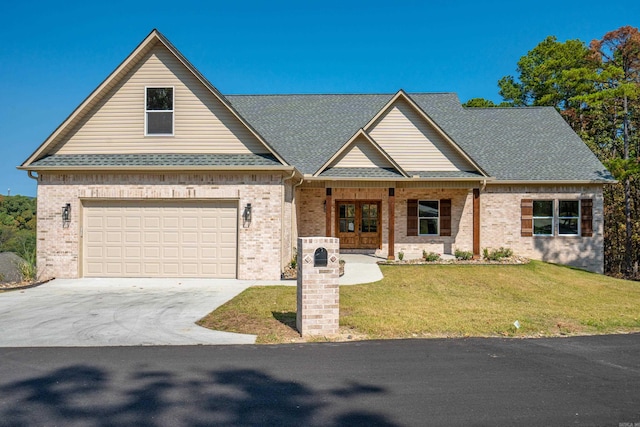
point(156, 173)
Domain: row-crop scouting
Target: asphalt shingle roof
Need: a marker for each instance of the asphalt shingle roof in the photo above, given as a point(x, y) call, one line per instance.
point(306, 130)
point(144, 160)
point(356, 173)
point(520, 144)
point(507, 143)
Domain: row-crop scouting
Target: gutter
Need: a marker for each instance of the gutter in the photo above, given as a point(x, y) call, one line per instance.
point(156, 168)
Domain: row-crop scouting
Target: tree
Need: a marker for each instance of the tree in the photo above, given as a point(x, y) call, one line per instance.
point(617, 79)
point(483, 103)
point(545, 77)
point(597, 91)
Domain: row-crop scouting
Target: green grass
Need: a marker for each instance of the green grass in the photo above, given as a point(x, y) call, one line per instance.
point(452, 301)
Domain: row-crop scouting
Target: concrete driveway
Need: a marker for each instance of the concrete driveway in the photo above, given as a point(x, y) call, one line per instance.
point(116, 312)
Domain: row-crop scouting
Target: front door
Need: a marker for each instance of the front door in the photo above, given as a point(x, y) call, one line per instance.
point(358, 224)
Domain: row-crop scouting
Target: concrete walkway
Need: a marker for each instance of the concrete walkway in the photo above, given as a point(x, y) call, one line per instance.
point(360, 269)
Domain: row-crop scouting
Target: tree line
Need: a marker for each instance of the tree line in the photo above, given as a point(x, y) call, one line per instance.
point(18, 226)
point(596, 88)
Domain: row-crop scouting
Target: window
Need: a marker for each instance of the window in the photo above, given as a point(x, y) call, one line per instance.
point(543, 217)
point(568, 217)
point(369, 218)
point(428, 218)
point(159, 111)
point(539, 217)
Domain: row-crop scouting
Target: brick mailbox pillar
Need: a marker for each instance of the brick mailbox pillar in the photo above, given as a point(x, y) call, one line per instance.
point(318, 292)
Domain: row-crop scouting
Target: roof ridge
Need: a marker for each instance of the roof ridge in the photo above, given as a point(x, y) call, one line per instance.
point(339, 94)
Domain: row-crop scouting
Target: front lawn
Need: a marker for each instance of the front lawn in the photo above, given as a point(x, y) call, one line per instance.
point(451, 301)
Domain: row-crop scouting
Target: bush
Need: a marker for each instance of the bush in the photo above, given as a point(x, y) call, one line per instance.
point(400, 255)
point(497, 254)
point(27, 266)
point(294, 260)
point(463, 255)
point(431, 256)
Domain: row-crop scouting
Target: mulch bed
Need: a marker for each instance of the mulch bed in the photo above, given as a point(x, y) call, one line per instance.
point(14, 286)
point(513, 260)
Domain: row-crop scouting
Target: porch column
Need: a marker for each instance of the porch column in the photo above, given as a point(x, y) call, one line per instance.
point(392, 223)
point(476, 223)
point(328, 207)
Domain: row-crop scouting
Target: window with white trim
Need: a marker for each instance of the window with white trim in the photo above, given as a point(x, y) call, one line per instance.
point(159, 111)
point(543, 217)
point(569, 217)
point(428, 217)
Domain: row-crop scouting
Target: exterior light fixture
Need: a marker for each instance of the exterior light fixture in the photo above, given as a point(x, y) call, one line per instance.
point(66, 214)
point(246, 215)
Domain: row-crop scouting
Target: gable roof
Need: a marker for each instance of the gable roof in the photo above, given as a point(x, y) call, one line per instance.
point(362, 134)
point(307, 132)
point(119, 73)
point(509, 144)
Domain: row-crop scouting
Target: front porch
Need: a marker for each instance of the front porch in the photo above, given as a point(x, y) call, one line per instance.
point(384, 220)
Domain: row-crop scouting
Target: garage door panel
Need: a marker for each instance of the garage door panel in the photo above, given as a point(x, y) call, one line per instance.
point(134, 222)
point(160, 238)
point(152, 222)
point(112, 252)
point(151, 237)
point(151, 253)
point(151, 269)
point(170, 222)
point(113, 222)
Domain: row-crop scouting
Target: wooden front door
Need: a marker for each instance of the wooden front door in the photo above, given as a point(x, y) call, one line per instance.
point(358, 224)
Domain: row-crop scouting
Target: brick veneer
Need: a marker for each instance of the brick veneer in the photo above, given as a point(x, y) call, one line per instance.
point(261, 246)
point(318, 303)
point(499, 221)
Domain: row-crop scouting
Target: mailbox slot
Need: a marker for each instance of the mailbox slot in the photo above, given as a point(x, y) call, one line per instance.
point(320, 258)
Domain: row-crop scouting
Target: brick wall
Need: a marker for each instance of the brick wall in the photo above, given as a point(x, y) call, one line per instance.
point(313, 223)
point(260, 245)
point(500, 224)
point(499, 218)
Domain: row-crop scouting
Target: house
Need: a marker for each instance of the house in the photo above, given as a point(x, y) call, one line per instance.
point(157, 173)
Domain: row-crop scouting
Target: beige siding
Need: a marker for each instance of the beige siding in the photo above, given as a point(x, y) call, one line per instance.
point(202, 124)
point(361, 154)
point(413, 143)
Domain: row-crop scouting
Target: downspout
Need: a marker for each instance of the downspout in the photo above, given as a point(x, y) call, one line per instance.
point(30, 173)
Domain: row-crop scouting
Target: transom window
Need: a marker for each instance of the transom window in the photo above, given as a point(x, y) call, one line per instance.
point(159, 111)
point(428, 217)
point(543, 217)
point(569, 217)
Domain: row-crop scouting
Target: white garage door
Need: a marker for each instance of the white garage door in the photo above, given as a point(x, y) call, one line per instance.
point(160, 239)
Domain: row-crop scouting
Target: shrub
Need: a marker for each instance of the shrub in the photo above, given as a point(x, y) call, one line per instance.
point(294, 261)
point(400, 255)
point(497, 254)
point(463, 255)
point(431, 256)
point(27, 266)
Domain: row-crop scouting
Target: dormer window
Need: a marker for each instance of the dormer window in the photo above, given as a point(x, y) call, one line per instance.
point(159, 111)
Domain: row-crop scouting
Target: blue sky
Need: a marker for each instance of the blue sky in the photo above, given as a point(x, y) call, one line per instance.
point(53, 54)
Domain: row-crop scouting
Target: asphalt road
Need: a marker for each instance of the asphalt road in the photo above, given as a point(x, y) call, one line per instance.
point(467, 382)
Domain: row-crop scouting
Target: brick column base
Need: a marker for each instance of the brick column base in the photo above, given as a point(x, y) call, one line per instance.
point(318, 292)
